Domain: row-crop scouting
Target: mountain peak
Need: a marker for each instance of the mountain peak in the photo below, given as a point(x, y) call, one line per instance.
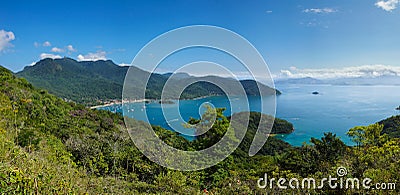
point(179, 75)
point(94, 82)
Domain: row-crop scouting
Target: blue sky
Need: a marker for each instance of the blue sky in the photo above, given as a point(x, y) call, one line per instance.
point(292, 35)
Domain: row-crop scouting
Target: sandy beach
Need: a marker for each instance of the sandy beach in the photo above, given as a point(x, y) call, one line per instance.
point(116, 102)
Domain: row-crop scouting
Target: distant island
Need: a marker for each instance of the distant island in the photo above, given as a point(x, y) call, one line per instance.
point(379, 80)
point(166, 102)
point(101, 82)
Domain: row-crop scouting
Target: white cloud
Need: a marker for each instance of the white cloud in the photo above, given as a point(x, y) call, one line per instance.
point(49, 55)
point(71, 48)
point(269, 11)
point(320, 10)
point(99, 55)
point(46, 44)
point(5, 39)
point(368, 71)
point(124, 64)
point(388, 5)
point(57, 50)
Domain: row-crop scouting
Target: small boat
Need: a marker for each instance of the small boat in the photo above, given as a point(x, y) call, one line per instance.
point(398, 108)
point(315, 93)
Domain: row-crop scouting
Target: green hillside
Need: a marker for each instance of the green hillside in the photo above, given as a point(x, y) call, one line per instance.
point(49, 146)
point(52, 146)
point(391, 126)
point(78, 81)
point(95, 82)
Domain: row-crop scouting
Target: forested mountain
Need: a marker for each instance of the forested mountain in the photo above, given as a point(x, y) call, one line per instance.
point(93, 82)
point(77, 81)
point(52, 146)
point(49, 146)
point(391, 126)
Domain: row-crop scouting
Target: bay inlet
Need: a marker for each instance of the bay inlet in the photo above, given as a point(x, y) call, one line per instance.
point(334, 109)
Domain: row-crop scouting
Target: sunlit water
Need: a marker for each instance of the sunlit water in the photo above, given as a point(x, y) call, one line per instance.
point(335, 109)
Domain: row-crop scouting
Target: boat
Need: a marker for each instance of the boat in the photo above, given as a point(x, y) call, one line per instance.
point(398, 108)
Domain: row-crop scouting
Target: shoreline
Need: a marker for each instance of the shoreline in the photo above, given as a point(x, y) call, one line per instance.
point(116, 102)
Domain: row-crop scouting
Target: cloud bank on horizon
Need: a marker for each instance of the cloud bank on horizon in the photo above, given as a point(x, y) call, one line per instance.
point(99, 55)
point(49, 55)
point(69, 49)
point(365, 71)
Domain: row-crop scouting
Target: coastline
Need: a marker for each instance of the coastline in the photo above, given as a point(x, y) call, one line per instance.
point(116, 102)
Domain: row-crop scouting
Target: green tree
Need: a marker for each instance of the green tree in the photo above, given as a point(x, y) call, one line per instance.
point(330, 147)
point(370, 135)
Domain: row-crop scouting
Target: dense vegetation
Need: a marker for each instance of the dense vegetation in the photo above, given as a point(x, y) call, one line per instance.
point(50, 146)
point(91, 83)
point(279, 127)
point(391, 126)
point(78, 81)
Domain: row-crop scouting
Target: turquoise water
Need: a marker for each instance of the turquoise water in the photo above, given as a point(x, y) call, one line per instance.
point(335, 109)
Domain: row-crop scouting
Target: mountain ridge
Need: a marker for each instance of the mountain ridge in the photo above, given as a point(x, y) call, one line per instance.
point(96, 82)
point(380, 80)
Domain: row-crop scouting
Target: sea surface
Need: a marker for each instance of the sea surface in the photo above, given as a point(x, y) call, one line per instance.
point(335, 109)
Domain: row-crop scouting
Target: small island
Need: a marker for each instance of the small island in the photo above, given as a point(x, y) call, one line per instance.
point(166, 102)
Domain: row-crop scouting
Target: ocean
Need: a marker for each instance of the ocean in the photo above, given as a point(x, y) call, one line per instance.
point(334, 109)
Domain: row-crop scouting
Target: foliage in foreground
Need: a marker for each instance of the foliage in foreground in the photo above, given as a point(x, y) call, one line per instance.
point(49, 146)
